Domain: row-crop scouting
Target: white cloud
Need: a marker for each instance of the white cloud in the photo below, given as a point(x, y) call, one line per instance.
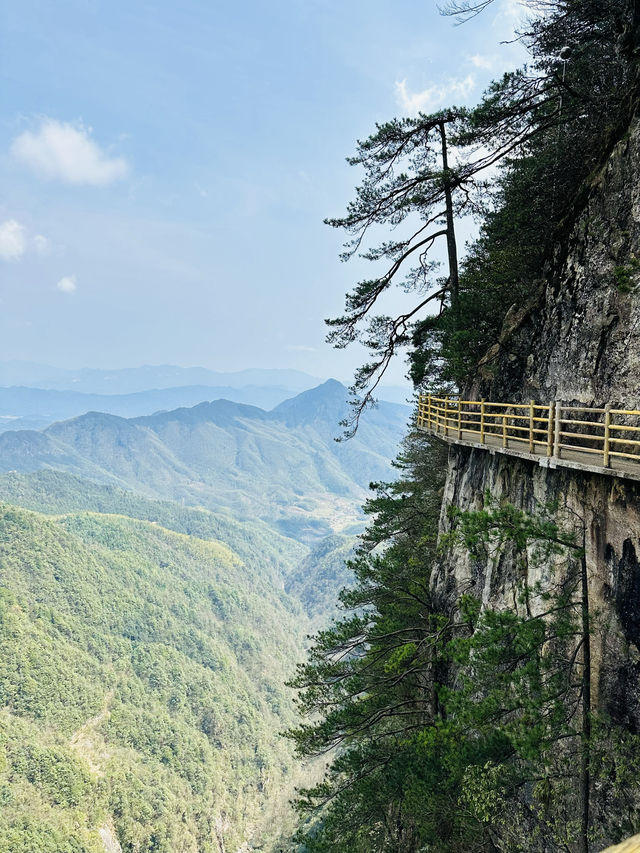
point(514, 9)
point(13, 240)
point(66, 152)
point(16, 242)
point(485, 63)
point(512, 15)
point(41, 245)
point(67, 284)
point(434, 96)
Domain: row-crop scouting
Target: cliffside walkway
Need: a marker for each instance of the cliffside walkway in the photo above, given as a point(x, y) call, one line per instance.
point(602, 441)
point(631, 845)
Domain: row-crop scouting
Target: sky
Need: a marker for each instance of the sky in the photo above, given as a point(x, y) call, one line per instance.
point(166, 168)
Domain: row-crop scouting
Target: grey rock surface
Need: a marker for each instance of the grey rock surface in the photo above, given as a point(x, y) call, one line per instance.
point(577, 341)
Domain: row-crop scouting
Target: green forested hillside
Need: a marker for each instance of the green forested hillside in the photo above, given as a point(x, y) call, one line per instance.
point(140, 686)
point(319, 577)
point(282, 467)
point(257, 544)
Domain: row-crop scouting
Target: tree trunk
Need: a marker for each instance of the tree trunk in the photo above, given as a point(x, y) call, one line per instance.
point(585, 758)
point(452, 250)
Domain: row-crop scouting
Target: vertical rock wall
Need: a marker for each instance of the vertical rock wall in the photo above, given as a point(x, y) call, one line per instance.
point(579, 338)
point(609, 510)
point(578, 341)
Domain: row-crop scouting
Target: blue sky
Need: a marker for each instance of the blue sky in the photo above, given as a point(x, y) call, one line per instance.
point(166, 167)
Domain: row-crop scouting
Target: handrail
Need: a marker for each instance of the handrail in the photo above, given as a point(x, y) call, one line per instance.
point(580, 436)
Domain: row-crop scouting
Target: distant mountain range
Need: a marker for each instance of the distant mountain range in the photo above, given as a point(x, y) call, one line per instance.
point(156, 589)
point(33, 396)
point(130, 380)
point(282, 466)
point(34, 408)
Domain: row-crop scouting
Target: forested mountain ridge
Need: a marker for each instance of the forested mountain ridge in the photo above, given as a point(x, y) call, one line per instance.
point(318, 578)
point(277, 465)
point(141, 685)
point(57, 493)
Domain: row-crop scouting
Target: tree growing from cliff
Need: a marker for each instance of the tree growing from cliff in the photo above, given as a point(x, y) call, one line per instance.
point(581, 763)
point(547, 126)
point(367, 678)
point(450, 725)
point(562, 682)
point(410, 181)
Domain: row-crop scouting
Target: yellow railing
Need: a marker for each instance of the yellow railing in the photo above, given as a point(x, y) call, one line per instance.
point(607, 437)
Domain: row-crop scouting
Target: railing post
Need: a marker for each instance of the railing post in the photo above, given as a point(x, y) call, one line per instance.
point(429, 411)
point(556, 432)
point(446, 416)
point(552, 408)
point(482, 421)
point(531, 415)
point(504, 429)
point(607, 434)
point(459, 418)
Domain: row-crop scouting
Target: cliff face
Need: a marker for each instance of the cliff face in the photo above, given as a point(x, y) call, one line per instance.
point(609, 509)
point(577, 341)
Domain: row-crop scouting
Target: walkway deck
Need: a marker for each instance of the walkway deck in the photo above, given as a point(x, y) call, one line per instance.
point(600, 441)
point(631, 845)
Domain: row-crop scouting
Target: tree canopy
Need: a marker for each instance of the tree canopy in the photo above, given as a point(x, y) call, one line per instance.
point(543, 129)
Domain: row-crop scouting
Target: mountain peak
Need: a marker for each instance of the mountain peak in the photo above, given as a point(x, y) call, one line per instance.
point(325, 403)
point(89, 420)
point(221, 412)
